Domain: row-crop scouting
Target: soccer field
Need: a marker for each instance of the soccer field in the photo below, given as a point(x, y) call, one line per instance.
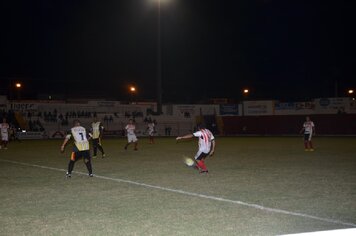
point(255, 186)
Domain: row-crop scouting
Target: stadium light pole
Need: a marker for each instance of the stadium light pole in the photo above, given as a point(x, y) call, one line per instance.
point(132, 90)
point(18, 87)
point(159, 60)
point(245, 93)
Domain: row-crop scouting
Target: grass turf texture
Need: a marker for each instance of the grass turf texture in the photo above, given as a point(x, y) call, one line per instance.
point(272, 172)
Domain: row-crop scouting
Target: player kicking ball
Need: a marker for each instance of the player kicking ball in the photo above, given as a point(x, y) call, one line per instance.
point(206, 147)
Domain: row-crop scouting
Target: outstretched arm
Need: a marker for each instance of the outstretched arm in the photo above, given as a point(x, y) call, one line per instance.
point(185, 136)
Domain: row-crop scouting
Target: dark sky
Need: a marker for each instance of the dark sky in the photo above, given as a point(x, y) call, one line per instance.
point(286, 50)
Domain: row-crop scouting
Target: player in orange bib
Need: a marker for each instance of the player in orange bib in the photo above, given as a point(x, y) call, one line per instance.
point(80, 148)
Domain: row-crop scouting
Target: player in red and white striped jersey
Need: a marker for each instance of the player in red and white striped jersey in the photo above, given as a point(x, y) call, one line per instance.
point(4, 133)
point(131, 136)
point(309, 131)
point(206, 147)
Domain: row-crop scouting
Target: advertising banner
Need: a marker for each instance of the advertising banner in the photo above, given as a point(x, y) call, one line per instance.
point(294, 108)
point(229, 109)
point(23, 107)
point(332, 105)
point(258, 108)
point(31, 135)
point(352, 106)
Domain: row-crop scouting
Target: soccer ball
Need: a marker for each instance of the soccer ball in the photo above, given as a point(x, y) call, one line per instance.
point(188, 161)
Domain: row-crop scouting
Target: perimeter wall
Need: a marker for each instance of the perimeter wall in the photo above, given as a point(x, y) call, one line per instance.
point(333, 124)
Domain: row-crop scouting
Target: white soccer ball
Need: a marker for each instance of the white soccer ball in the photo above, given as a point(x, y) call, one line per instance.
point(188, 161)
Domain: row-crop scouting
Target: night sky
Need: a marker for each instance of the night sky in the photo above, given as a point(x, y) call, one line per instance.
point(284, 50)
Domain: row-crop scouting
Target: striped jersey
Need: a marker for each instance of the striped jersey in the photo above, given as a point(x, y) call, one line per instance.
point(308, 127)
point(80, 138)
point(130, 128)
point(4, 128)
point(205, 139)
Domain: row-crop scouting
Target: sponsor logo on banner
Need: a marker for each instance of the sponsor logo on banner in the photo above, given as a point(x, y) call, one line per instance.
point(304, 105)
point(232, 109)
point(332, 105)
point(324, 102)
point(256, 108)
point(23, 107)
point(280, 106)
point(31, 135)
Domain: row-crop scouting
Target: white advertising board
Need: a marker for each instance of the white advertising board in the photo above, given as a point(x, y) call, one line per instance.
point(332, 105)
point(258, 108)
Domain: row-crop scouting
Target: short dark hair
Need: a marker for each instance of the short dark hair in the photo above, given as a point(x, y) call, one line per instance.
point(76, 122)
point(201, 126)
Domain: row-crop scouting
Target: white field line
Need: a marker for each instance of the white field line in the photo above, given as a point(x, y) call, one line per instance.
point(260, 207)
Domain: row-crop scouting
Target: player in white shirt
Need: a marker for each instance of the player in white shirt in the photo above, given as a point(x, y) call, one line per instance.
point(151, 130)
point(80, 148)
point(4, 130)
point(96, 133)
point(309, 130)
point(206, 147)
point(131, 136)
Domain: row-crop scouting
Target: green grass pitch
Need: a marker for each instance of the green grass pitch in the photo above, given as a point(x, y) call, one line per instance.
point(255, 186)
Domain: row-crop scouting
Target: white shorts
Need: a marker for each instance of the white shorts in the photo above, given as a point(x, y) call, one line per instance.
point(201, 154)
point(131, 138)
point(4, 137)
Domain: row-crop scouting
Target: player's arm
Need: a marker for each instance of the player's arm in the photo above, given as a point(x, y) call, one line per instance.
point(65, 142)
point(301, 131)
point(212, 147)
point(101, 128)
point(185, 136)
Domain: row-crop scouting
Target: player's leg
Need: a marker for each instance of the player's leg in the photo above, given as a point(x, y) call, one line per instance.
point(151, 139)
point(200, 160)
point(5, 141)
point(71, 164)
point(5, 144)
point(100, 147)
point(129, 140)
point(95, 147)
point(306, 140)
point(87, 161)
point(135, 140)
point(310, 143)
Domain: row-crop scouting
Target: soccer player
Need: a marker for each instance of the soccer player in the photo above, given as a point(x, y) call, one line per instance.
point(131, 136)
point(206, 147)
point(309, 130)
point(80, 148)
point(96, 134)
point(4, 129)
point(151, 130)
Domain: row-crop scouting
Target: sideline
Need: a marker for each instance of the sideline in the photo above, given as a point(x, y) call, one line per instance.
point(260, 207)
